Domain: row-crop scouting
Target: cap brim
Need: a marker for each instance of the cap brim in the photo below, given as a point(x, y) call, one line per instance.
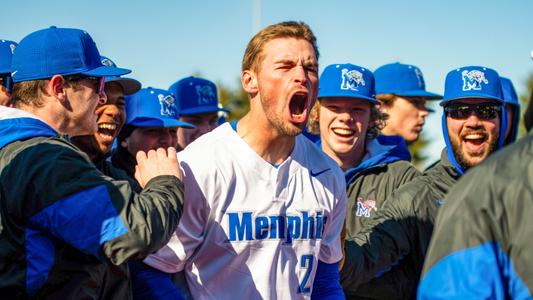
point(480, 96)
point(106, 71)
point(202, 110)
point(129, 85)
point(420, 93)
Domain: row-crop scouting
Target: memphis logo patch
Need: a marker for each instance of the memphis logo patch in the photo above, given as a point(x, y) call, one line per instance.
point(365, 207)
point(351, 79)
point(473, 79)
point(168, 106)
point(206, 94)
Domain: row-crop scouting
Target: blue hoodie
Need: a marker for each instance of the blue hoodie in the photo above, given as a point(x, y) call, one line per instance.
point(18, 125)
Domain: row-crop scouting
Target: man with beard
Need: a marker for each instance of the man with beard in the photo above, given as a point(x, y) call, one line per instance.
point(264, 206)
point(474, 115)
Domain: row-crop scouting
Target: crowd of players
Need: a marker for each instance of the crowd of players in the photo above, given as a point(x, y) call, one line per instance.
point(114, 191)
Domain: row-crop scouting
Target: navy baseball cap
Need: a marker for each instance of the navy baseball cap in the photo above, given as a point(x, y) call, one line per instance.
point(7, 48)
point(347, 80)
point(402, 80)
point(472, 82)
point(151, 107)
point(508, 91)
point(59, 51)
point(196, 96)
point(129, 85)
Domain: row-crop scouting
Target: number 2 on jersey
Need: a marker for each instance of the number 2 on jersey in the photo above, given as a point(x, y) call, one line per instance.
point(306, 262)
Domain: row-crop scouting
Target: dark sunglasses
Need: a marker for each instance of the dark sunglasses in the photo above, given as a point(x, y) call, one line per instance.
point(98, 80)
point(485, 111)
point(7, 82)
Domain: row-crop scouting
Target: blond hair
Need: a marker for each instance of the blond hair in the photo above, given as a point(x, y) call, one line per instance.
point(290, 29)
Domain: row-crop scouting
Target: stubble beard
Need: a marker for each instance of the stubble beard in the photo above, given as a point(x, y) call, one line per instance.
point(283, 127)
point(463, 159)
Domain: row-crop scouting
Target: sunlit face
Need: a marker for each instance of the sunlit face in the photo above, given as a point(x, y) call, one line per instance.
point(111, 117)
point(406, 117)
point(472, 138)
point(81, 110)
point(343, 125)
point(150, 138)
point(287, 80)
point(204, 123)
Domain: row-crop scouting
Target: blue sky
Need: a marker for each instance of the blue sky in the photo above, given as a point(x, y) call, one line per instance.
point(163, 41)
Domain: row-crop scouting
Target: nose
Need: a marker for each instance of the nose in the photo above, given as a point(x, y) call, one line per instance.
point(102, 98)
point(168, 138)
point(346, 117)
point(112, 111)
point(473, 121)
point(300, 74)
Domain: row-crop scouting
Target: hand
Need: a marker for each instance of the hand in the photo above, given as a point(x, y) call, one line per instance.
point(156, 163)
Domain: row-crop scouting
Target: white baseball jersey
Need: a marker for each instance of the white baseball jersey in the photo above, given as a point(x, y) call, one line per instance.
point(252, 230)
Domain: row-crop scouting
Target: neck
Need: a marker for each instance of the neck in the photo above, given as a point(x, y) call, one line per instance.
point(348, 160)
point(264, 139)
point(48, 114)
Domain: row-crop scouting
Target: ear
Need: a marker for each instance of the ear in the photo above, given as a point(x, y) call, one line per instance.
point(249, 82)
point(56, 87)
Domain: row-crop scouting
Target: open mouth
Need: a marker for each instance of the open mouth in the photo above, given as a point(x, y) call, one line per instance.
point(474, 141)
point(343, 132)
point(298, 107)
point(107, 131)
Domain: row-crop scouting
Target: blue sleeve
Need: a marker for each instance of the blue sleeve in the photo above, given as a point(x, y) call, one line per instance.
point(327, 284)
point(150, 283)
point(482, 272)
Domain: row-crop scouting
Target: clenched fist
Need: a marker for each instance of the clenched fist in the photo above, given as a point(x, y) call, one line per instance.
point(156, 163)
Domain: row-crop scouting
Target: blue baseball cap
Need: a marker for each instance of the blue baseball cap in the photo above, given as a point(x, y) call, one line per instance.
point(59, 51)
point(196, 96)
point(129, 85)
point(151, 107)
point(402, 80)
point(508, 91)
point(347, 80)
point(7, 48)
point(472, 82)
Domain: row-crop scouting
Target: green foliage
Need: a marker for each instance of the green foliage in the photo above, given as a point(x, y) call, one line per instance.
point(417, 152)
point(524, 102)
point(234, 99)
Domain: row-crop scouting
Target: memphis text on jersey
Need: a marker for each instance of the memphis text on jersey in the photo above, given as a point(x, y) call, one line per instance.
point(245, 226)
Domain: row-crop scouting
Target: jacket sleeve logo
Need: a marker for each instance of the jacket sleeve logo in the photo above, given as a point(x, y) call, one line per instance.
point(365, 207)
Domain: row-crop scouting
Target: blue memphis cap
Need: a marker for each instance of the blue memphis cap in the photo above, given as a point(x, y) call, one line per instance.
point(472, 82)
point(7, 48)
point(402, 80)
point(151, 107)
point(508, 91)
point(129, 85)
point(347, 80)
point(196, 96)
point(59, 51)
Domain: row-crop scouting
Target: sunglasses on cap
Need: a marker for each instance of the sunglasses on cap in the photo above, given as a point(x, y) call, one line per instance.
point(99, 81)
point(7, 82)
point(485, 111)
